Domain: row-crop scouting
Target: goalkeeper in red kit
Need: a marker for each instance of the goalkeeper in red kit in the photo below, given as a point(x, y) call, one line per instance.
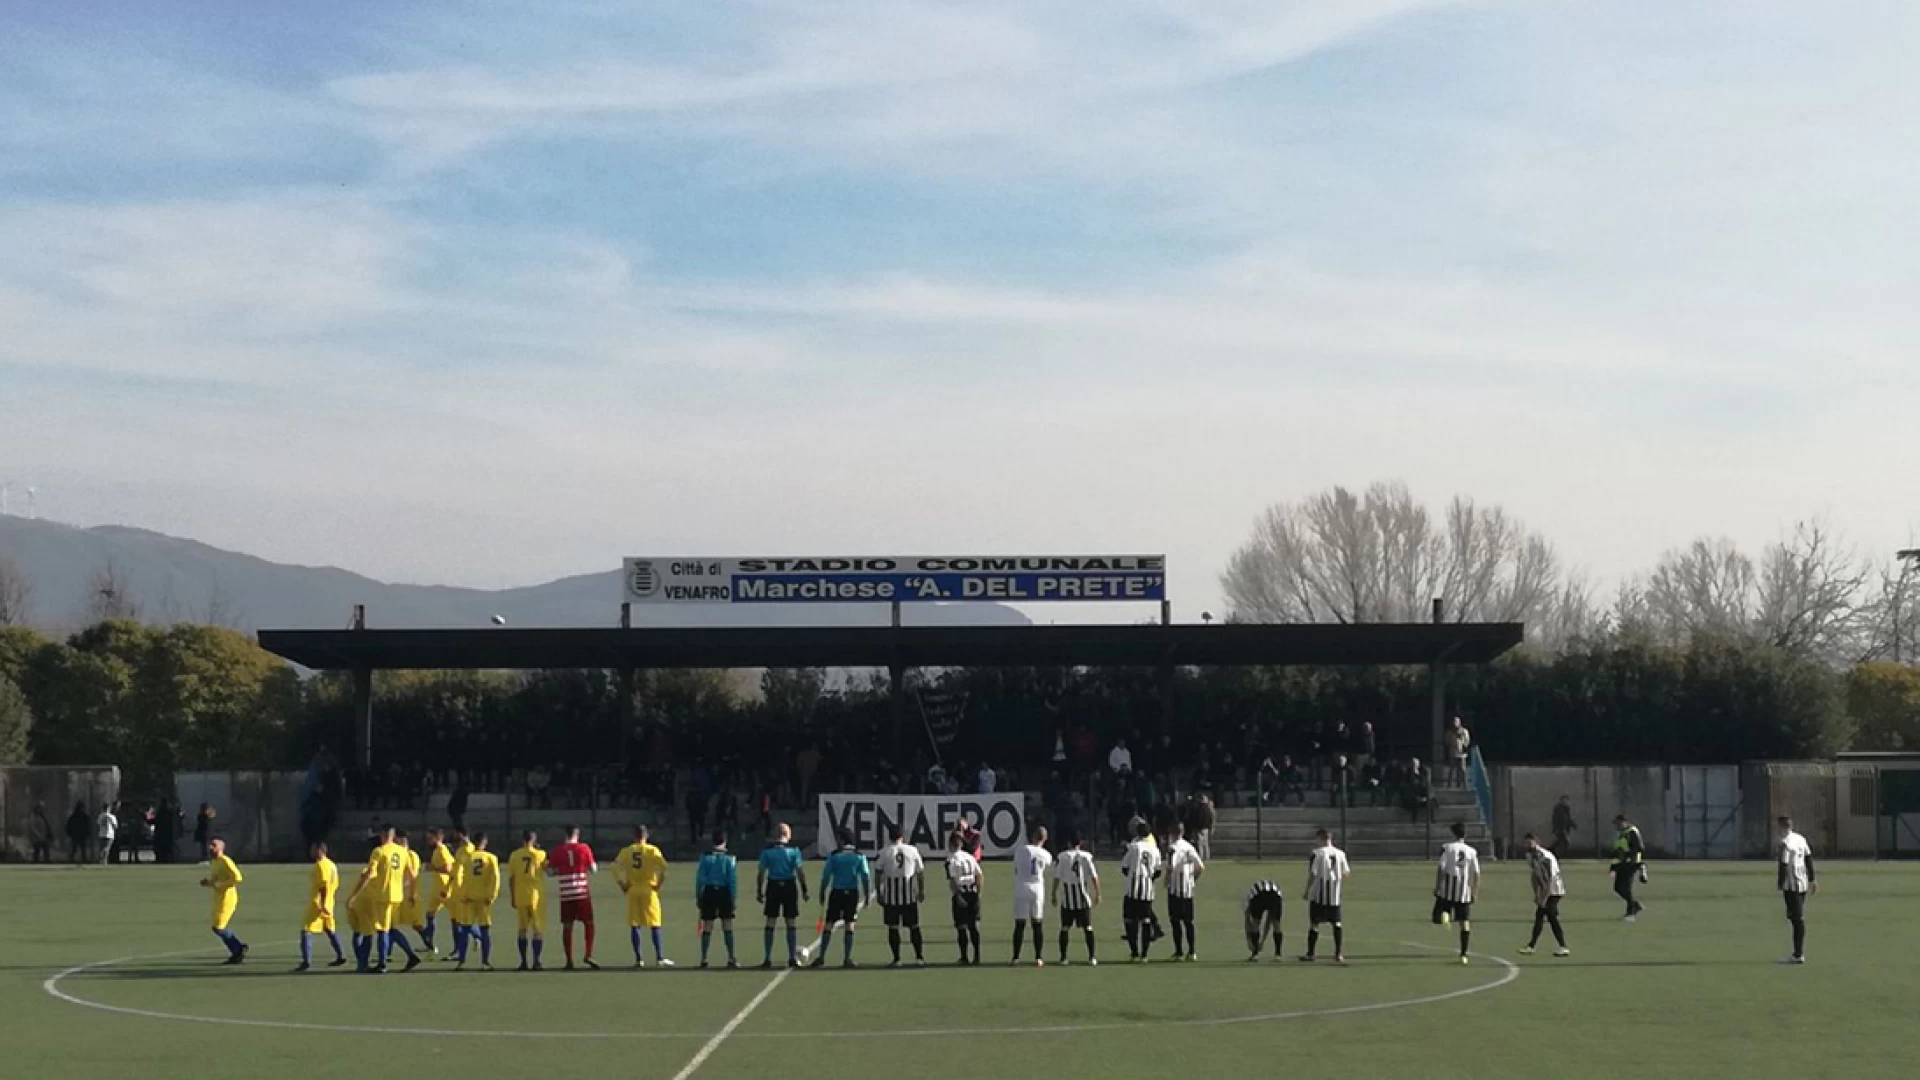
point(572, 867)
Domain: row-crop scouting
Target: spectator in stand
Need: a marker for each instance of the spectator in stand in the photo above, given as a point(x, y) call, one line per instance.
point(1416, 791)
point(1059, 759)
point(1563, 825)
point(539, 787)
point(457, 805)
point(78, 828)
point(1364, 748)
point(1285, 779)
point(806, 765)
point(989, 780)
point(726, 814)
point(1120, 759)
point(1085, 748)
point(1459, 745)
point(1340, 742)
point(1340, 780)
point(40, 833)
point(1317, 754)
point(203, 831)
point(936, 779)
point(1370, 782)
point(1199, 820)
point(763, 806)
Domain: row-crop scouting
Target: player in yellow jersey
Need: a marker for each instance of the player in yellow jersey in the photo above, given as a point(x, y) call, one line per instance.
point(434, 886)
point(641, 872)
point(526, 879)
point(380, 890)
point(408, 913)
point(456, 884)
point(480, 887)
point(323, 881)
point(223, 877)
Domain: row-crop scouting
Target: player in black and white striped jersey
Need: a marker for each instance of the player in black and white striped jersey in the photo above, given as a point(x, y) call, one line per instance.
point(1455, 881)
point(1327, 871)
point(965, 877)
point(1076, 889)
point(1183, 873)
point(1140, 866)
point(1263, 907)
point(1797, 881)
point(1548, 889)
point(902, 878)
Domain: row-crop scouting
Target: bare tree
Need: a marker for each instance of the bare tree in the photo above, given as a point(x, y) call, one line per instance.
point(220, 609)
point(16, 594)
point(1806, 594)
point(109, 594)
point(1381, 557)
point(1890, 617)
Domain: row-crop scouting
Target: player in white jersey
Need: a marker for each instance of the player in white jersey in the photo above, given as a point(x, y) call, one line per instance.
point(964, 879)
point(902, 879)
point(1076, 889)
point(1548, 887)
point(1797, 881)
point(1184, 868)
point(1031, 861)
point(1327, 871)
point(1140, 866)
point(1455, 881)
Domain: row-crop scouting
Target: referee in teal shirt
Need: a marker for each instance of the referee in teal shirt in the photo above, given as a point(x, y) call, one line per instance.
point(780, 886)
point(845, 884)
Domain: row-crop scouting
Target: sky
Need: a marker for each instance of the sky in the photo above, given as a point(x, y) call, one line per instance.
point(490, 293)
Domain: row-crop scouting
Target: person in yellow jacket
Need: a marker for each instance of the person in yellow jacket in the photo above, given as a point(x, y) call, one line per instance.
point(456, 889)
point(323, 882)
point(641, 872)
point(223, 877)
point(480, 888)
point(435, 886)
point(526, 881)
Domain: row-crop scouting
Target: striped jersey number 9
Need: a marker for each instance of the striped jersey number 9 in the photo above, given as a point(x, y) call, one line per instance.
point(900, 859)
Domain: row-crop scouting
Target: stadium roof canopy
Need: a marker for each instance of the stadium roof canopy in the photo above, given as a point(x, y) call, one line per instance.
point(1148, 645)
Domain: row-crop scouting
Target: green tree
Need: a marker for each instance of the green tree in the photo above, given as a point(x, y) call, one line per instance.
point(16, 723)
point(1884, 699)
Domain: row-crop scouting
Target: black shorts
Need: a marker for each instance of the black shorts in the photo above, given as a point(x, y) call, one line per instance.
point(966, 909)
point(716, 904)
point(1265, 906)
point(843, 906)
point(1071, 917)
point(1180, 908)
point(1796, 905)
point(1323, 913)
point(907, 915)
point(1551, 907)
point(1132, 910)
point(783, 899)
point(1457, 910)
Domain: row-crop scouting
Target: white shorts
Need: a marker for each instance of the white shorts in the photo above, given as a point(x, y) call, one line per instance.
point(1029, 902)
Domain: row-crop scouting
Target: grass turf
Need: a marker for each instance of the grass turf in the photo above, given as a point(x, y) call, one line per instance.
point(1694, 988)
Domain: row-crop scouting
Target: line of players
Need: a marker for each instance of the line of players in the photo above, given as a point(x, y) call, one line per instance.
point(397, 889)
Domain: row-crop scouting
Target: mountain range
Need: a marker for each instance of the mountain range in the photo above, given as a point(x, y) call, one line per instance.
point(167, 579)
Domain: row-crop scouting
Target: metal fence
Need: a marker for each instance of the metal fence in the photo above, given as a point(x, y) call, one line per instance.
point(56, 789)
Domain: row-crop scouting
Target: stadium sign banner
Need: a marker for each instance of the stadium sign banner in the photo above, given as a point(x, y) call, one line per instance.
point(927, 820)
point(895, 579)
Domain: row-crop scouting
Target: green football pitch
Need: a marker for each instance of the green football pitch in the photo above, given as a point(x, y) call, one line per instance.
point(112, 972)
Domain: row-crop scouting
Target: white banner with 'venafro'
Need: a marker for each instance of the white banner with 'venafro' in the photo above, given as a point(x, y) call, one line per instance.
point(848, 579)
point(927, 820)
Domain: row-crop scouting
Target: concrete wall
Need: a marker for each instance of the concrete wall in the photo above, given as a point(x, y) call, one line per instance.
point(58, 787)
point(1524, 797)
point(257, 813)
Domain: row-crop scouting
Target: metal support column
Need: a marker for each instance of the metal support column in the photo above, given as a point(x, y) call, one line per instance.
point(624, 682)
point(361, 735)
point(1437, 684)
point(897, 700)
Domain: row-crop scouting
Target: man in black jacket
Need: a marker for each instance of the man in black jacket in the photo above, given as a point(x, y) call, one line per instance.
point(1563, 826)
